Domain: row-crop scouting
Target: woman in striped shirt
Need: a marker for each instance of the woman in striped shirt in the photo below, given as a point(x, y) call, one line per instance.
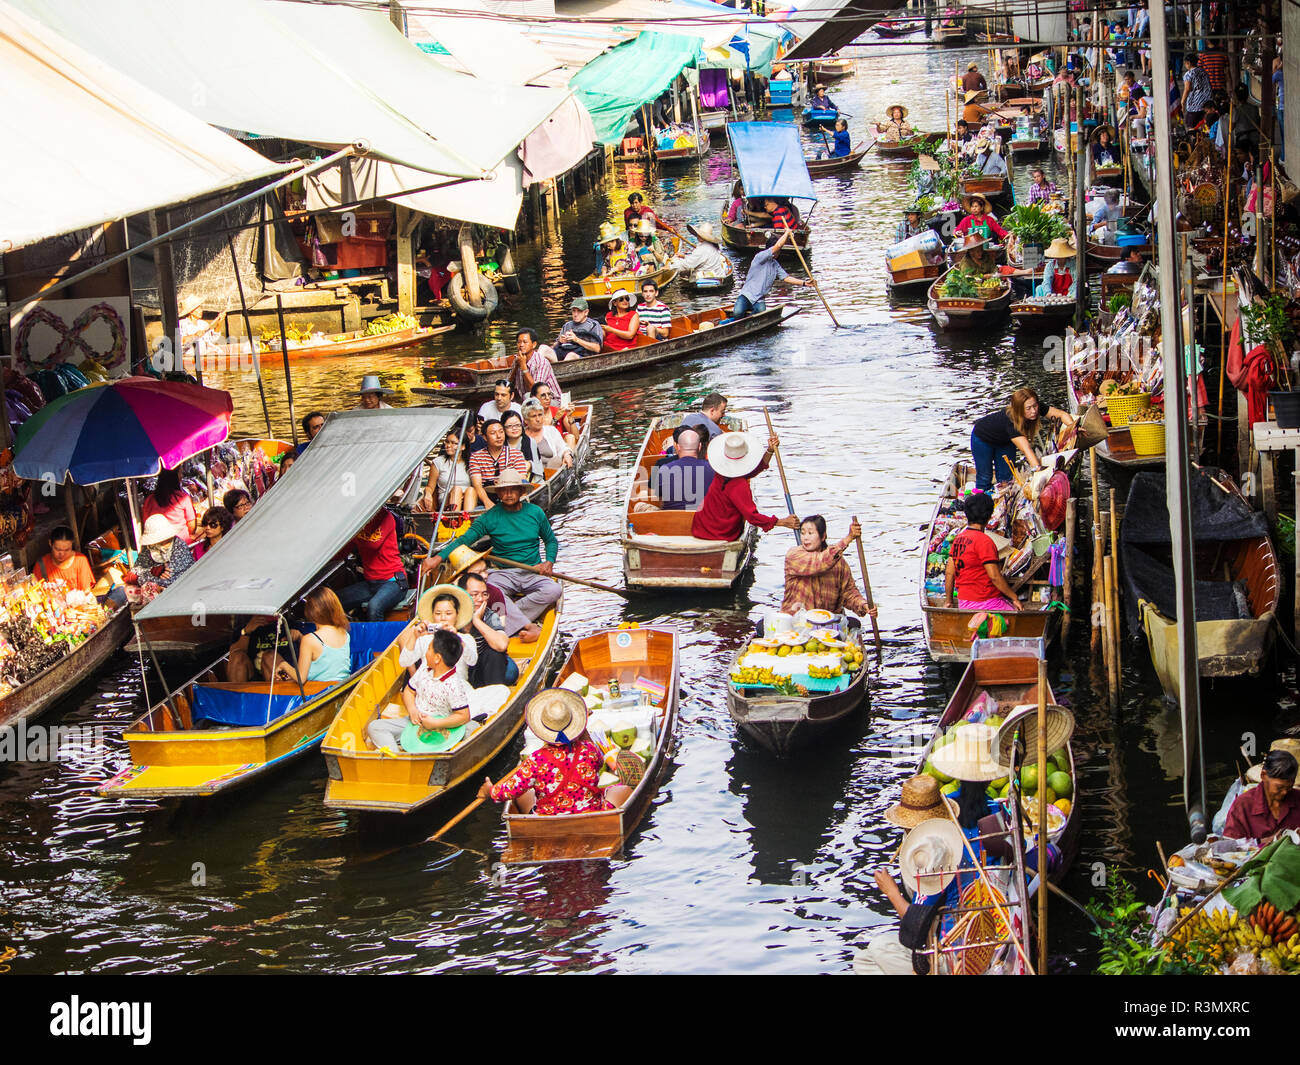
point(656, 316)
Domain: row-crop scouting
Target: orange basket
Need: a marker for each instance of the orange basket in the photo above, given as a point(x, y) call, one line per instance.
point(1121, 408)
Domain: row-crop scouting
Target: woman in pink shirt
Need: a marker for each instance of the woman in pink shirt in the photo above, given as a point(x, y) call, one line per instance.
point(174, 503)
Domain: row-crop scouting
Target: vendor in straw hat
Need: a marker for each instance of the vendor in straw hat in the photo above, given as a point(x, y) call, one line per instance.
point(972, 111)
point(895, 126)
point(196, 332)
point(1102, 148)
point(561, 776)
point(703, 260)
point(372, 393)
point(729, 502)
point(979, 219)
point(1058, 270)
point(988, 159)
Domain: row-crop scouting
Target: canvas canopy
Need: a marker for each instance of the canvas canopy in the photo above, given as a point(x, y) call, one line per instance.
point(614, 86)
point(94, 144)
point(350, 470)
point(483, 45)
point(825, 26)
point(770, 158)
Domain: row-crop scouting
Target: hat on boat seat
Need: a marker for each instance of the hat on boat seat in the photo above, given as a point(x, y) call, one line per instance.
point(919, 800)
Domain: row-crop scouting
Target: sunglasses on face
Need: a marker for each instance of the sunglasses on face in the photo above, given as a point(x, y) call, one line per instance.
point(212, 524)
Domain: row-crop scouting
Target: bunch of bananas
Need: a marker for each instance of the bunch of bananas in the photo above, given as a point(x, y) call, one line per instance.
point(825, 671)
point(753, 675)
point(1216, 938)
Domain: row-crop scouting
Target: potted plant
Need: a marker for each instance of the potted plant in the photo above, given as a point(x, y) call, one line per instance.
point(1035, 229)
point(1265, 321)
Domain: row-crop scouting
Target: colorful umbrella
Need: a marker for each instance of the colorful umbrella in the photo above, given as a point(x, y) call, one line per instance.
point(132, 427)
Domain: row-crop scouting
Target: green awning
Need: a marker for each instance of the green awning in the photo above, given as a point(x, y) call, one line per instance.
point(614, 86)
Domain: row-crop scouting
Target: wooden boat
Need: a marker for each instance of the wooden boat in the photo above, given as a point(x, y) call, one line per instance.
point(951, 34)
point(900, 282)
point(597, 290)
point(701, 286)
point(754, 146)
point(1238, 579)
point(836, 165)
point(1032, 315)
point(690, 335)
point(947, 629)
point(355, 342)
point(995, 187)
point(897, 27)
point(832, 69)
point(1027, 146)
point(688, 154)
point(180, 636)
point(784, 724)
point(908, 148)
point(1105, 175)
point(658, 548)
point(628, 656)
point(968, 312)
point(33, 697)
point(917, 268)
point(1107, 255)
point(714, 123)
point(364, 778)
point(752, 239)
point(546, 493)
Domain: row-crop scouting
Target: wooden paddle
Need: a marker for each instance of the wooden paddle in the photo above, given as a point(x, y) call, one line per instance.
point(866, 589)
point(466, 812)
point(803, 262)
point(780, 468)
point(512, 564)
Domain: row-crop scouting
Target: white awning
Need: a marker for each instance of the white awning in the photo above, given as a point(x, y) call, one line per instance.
point(87, 144)
point(477, 41)
point(662, 16)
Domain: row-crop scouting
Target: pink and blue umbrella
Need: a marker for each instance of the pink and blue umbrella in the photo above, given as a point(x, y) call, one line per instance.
point(132, 427)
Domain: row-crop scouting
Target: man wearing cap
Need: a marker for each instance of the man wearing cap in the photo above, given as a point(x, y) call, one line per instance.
point(501, 403)
point(372, 393)
point(729, 502)
point(910, 226)
point(703, 260)
point(1262, 812)
point(764, 272)
point(514, 529)
point(580, 335)
point(532, 365)
point(973, 80)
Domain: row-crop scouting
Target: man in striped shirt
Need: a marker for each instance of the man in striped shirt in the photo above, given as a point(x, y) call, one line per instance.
point(487, 464)
point(656, 317)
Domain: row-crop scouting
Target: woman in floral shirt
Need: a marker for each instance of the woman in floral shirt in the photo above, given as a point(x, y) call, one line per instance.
point(563, 774)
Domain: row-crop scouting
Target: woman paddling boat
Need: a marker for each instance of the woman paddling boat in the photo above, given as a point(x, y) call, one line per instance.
point(816, 575)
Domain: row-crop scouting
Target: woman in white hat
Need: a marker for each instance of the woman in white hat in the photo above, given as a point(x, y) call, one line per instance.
point(622, 324)
point(729, 502)
point(703, 260)
point(561, 776)
point(372, 393)
point(163, 557)
point(445, 607)
point(1058, 270)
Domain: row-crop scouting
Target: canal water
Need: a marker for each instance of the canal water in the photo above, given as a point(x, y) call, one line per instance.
point(743, 864)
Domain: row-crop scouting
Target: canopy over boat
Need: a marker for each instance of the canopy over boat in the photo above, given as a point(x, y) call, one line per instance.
point(351, 469)
point(771, 160)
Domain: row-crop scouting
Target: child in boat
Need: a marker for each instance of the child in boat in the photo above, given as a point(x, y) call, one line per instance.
point(974, 573)
point(435, 700)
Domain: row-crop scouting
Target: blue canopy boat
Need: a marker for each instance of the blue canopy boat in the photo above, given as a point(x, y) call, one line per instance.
point(769, 157)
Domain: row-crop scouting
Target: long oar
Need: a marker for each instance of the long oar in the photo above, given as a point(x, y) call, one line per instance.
point(780, 468)
point(467, 811)
point(803, 262)
point(866, 588)
point(512, 564)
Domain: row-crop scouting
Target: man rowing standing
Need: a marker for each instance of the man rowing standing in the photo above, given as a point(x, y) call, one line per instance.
point(764, 272)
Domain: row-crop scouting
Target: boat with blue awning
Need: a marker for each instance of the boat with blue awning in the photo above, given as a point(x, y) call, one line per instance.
point(771, 163)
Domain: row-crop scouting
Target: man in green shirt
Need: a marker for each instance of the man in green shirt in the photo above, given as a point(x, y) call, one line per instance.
point(515, 529)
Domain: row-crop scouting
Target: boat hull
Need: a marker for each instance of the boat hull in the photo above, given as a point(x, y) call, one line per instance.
point(597, 290)
point(356, 344)
point(825, 167)
point(967, 313)
point(746, 239)
point(786, 725)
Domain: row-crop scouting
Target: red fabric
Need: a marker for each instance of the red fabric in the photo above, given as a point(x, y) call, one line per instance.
point(1061, 283)
point(356, 253)
point(784, 216)
point(377, 546)
point(1053, 499)
point(971, 550)
point(619, 321)
point(1250, 817)
point(562, 777)
point(1253, 372)
point(728, 504)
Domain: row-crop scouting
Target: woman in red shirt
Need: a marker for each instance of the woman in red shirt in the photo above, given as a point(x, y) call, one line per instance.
point(174, 503)
point(622, 323)
point(974, 572)
point(979, 219)
point(729, 502)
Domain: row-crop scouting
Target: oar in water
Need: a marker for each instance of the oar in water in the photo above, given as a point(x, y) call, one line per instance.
point(780, 468)
point(866, 588)
point(435, 838)
point(804, 263)
point(512, 564)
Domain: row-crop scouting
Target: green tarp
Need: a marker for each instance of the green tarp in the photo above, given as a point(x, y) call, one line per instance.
point(614, 86)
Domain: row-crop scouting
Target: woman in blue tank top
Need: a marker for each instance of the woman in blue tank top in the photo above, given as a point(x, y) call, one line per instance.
point(326, 654)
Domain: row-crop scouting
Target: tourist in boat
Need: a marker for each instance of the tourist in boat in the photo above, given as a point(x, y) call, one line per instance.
point(676, 482)
point(515, 529)
point(776, 214)
point(487, 465)
point(532, 366)
point(821, 101)
point(638, 211)
point(325, 654)
point(816, 575)
point(1058, 270)
point(513, 424)
point(466, 560)
point(312, 424)
point(646, 248)
point(764, 272)
point(171, 501)
point(654, 315)
point(614, 255)
point(503, 400)
point(217, 521)
point(973, 579)
point(910, 226)
point(383, 581)
point(979, 219)
point(561, 417)
point(1106, 216)
point(1041, 190)
point(435, 699)
point(973, 80)
point(622, 325)
point(449, 485)
point(1102, 150)
point(63, 562)
point(580, 335)
point(372, 394)
point(1263, 812)
point(238, 502)
point(894, 128)
point(989, 160)
point(543, 443)
point(445, 607)
point(488, 630)
point(705, 260)
point(286, 464)
point(163, 557)
point(263, 642)
point(729, 502)
point(708, 419)
point(736, 207)
point(996, 437)
point(560, 777)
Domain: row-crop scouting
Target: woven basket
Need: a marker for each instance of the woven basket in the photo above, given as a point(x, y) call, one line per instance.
point(1148, 437)
point(1121, 408)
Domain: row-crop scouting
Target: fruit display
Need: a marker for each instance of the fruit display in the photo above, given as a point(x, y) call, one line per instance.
point(1266, 940)
point(40, 622)
point(803, 652)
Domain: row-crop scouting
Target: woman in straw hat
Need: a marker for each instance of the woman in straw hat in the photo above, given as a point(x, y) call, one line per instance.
point(895, 126)
point(561, 776)
point(1058, 270)
point(979, 219)
point(622, 324)
point(614, 257)
point(703, 260)
point(446, 608)
point(729, 502)
point(163, 557)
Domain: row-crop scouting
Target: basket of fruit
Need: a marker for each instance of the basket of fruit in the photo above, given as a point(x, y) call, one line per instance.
point(1146, 428)
point(1122, 401)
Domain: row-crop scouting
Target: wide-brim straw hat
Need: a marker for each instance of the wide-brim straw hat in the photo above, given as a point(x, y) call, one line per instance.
point(972, 65)
point(920, 800)
point(735, 454)
point(1061, 248)
point(967, 200)
point(1095, 135)
point(968, 755)
point(982, 145)
point(970, 96)
point(464, 604)
point(622, 294)
point(189, 305)
point(930, 856)
point(1038, 57)
point(972, 241)
point(157, 529)
point(889, 111)
point(1060, 727)
point(645, 227)
point(461, 559)
point(510, 478)
point(608, 231)
point(371, 383)
point(556, 715)
point(704, 232)
point(1285, 743)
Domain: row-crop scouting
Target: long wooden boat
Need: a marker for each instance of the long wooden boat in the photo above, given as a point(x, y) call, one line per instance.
point(689, 154)
point(629, 656)
point(819, 118)
point(832, 69)
point(690, 334)
point(35, 696)
point(658, 548)
point(1032, 315)
point(997, 188)
point(785, 724)
point(1027, 146)
point(949, 34)
point(905, 149)
point(714, 122)
point(836, 165)
point(947, 629)
point(597, 290)
point(1107, 255)
point(897, 27)
point(1233, 555)
point(752, 239)
point(364, 778)
point(967, 312)
point(701, 286)
point(355, 343)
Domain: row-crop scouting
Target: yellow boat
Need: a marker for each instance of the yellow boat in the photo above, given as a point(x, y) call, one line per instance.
point(597, 290)
point(364, 778)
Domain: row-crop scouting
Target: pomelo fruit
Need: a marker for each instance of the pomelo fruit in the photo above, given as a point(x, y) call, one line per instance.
point(951, 788)
point(1061, 783)
point(1029, 779)
point(929, 770)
